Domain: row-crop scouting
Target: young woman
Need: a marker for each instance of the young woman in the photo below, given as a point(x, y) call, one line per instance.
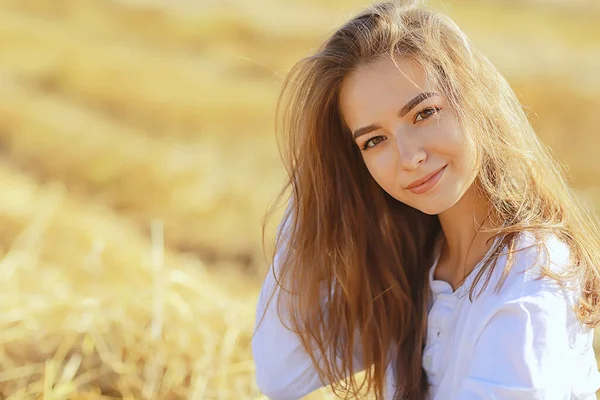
point(430, 238)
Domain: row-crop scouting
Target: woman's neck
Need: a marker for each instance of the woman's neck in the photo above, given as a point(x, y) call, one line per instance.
point(464, 245)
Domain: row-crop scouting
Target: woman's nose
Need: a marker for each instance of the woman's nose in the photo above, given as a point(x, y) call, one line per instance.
point(411, 153)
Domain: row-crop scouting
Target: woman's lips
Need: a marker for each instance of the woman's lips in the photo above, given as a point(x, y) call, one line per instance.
point(428, 184)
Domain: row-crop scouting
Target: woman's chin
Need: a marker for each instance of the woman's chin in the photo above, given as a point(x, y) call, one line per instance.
point(432, 210)
point(435, 206)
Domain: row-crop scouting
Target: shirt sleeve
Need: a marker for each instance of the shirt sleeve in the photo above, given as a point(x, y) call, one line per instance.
point(522, 351)
point(284, 370)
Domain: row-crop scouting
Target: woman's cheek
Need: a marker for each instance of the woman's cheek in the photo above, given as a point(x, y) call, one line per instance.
point(382, 167)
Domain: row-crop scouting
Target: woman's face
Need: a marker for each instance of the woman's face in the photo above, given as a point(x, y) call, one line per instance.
point(410, 139)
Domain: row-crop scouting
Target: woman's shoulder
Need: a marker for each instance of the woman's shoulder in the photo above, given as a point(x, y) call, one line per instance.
point(533, 254)
point(528, 293)
point(521, 272)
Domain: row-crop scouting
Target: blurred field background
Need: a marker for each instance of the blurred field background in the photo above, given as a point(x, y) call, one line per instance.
point(137, 158)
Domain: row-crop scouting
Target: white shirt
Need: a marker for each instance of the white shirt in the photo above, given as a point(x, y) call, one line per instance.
point(524, 342)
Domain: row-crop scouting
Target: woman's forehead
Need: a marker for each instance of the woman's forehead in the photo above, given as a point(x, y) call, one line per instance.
point(384, 80)
point(402, 76)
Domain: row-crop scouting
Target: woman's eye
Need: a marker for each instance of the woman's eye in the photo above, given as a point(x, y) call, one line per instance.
point(426, 113)
point(374, 141)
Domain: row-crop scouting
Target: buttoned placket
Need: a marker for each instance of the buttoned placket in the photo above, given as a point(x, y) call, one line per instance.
point(438, 323)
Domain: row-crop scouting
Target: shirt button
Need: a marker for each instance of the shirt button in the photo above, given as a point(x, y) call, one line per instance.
point(428, 361)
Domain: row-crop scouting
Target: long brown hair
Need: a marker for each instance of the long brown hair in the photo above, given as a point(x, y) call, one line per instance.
point(355, 261)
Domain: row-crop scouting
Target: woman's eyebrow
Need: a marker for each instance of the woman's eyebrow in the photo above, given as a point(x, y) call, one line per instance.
point(405, 110)
point(415, 100)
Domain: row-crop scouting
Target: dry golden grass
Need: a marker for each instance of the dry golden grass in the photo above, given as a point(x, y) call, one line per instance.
point(138, 157)
point(91, 306)
point(140, 176)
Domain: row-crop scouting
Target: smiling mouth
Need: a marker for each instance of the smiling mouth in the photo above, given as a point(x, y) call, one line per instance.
point(429, 183)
